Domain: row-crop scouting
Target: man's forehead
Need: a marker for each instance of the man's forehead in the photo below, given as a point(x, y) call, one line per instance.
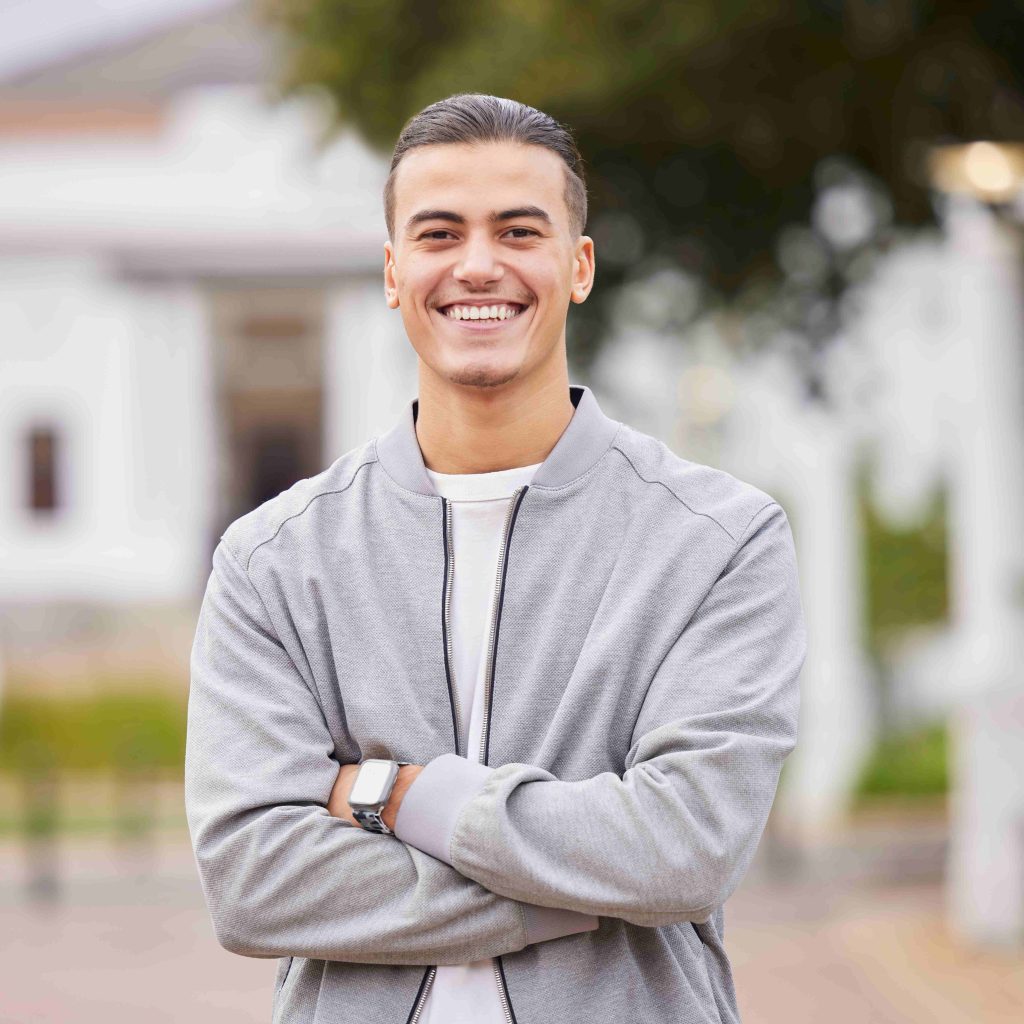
point(482, 178)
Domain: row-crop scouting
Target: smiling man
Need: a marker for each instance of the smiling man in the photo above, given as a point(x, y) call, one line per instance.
point(486, 719)
point(486, 250)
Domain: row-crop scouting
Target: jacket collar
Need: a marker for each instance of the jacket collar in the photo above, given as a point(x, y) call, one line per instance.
point(582, 443)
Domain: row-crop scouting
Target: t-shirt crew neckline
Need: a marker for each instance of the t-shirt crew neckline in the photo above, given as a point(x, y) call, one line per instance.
point(482, 486)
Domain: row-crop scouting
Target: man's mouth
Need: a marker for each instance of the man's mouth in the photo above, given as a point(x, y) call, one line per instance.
point(495, 312)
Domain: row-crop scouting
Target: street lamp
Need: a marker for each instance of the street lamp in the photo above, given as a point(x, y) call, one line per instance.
point(991, 172)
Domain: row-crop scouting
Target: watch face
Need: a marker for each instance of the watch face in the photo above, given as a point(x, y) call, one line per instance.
point(371, 782)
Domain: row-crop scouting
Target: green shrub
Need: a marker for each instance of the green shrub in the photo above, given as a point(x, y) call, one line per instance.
point(906, 572)
point(909, 764)
point(120, 732)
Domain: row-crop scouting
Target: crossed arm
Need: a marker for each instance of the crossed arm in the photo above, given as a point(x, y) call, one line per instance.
point(483, 851)
point(281, 875)
point(671, 838)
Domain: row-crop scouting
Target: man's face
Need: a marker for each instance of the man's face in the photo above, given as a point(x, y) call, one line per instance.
point(484, 261)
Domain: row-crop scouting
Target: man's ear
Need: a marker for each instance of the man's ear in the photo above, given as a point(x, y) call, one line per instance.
point(584, 268)
point(390, 288)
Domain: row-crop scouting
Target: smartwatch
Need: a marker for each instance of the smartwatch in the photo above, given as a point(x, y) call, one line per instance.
point(371, 790)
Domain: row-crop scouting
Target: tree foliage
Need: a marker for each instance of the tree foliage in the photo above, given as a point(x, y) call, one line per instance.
point(703, 125)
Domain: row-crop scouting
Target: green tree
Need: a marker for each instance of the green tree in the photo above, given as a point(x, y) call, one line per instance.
point(707, 127)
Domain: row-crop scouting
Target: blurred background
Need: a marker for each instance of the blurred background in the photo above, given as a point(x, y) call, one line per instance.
point(808, 227)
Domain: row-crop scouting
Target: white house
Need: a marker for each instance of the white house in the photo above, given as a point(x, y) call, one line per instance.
point(191, 318)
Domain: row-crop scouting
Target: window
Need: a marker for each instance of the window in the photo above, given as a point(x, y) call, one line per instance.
point(44, 496)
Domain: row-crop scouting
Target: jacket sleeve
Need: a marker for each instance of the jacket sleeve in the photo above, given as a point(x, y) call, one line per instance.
point(280, 875)
point(670, 839)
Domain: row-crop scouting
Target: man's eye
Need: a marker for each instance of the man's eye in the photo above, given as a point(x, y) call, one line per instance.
point(521, 232)
point(437, 235)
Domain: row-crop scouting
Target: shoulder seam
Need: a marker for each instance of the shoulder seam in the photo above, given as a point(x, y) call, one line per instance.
point(750, 522)
point(301, 511)
point(235, 559)
point(661, 483)
point(271, 629)
point(248, 579)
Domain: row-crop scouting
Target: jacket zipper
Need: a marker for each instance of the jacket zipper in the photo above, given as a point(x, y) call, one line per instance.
point(485, 737)
point(499, 595)
point(421, 995)
point(446, 618)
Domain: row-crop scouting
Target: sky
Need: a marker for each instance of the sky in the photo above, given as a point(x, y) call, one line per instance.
point(35, 31)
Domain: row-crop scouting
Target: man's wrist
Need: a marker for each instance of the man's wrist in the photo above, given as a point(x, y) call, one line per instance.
point(406, 777)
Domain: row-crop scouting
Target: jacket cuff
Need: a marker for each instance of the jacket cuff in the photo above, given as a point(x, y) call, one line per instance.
point(543, 923)
point(432, 804)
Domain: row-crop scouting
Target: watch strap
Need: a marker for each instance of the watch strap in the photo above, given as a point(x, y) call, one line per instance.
point(371, 821)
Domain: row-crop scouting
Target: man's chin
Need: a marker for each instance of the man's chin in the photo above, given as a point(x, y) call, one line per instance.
point(481, 376)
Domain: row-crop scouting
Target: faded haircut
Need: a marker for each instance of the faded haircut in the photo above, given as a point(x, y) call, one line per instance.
point(475, 117)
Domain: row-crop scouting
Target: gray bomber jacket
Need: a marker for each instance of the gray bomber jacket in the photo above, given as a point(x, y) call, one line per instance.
point(642, 695)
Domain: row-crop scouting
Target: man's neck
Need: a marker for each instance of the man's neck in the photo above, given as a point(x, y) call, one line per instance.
point(486, 430)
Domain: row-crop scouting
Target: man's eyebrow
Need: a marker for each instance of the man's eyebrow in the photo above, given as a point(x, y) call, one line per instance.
point(423, 215)
point(456, 218)
point(521, 211)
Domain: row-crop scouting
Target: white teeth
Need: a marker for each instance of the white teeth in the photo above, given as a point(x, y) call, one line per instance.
point(501, 312)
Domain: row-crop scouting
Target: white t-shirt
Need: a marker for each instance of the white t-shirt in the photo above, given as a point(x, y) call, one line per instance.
point(468, 993)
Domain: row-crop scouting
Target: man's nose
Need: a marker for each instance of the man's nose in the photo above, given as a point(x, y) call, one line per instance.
point(479, 263)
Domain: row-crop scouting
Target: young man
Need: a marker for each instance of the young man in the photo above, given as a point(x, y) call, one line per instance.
point(558, 661)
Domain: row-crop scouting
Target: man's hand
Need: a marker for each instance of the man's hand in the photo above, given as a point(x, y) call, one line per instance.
point(338, 802)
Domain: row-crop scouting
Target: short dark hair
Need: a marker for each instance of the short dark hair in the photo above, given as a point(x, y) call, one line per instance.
point(476, 117)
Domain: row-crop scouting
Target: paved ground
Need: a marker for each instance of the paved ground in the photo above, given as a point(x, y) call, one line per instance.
point(880, 955)
point(129, 940)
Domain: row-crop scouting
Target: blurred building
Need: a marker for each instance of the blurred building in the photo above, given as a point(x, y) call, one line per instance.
point(191, 319)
